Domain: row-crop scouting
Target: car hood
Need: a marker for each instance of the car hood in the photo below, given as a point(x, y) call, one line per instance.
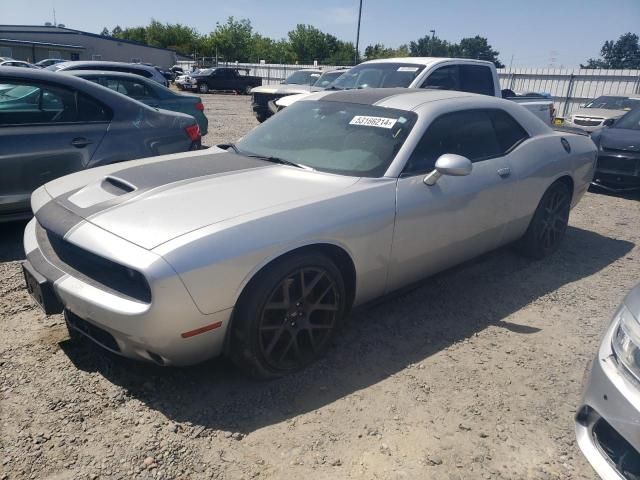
point(156, 201)
point(598, 113)
point(282, 89)
point(620, 139)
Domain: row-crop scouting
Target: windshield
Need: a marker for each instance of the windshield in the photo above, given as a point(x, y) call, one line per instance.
point(327, 78)
point(379, 75)
point(343, 138)
point(614, 103)
point(630, 121)
point(206, 71)
point(302, 77)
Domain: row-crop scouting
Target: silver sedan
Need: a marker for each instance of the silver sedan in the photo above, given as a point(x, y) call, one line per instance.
point(259, 249)
point(608, 422)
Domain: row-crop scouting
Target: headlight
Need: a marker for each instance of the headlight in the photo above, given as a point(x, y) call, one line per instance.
point(626, 341)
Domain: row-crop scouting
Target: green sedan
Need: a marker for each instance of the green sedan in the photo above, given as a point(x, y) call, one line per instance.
point(148, 92)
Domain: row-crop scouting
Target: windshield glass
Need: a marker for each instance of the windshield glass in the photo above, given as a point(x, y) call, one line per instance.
point(343, 138)
point(614, 103)
point(327, 78)
point(302, 77)
point(630, 121)
point(206, 71)
point(379, 75)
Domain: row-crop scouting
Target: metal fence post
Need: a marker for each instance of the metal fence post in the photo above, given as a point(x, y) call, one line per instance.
point(568, 96)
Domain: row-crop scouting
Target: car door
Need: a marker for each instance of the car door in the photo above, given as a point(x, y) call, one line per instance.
point(460, 216)
point(46, 131)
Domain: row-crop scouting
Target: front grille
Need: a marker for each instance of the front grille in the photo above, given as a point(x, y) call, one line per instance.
point(91, 268)
point(90, 330)
point(620, 452)
point(263, 99)
point(587, 122)
point(623, 166)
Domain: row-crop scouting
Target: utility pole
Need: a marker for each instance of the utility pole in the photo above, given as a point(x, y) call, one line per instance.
point(355, 58)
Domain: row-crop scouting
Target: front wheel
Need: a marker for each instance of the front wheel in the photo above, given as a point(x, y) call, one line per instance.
point(549, 223)
point(288, 317)
point(203, 88)
point(247, 90)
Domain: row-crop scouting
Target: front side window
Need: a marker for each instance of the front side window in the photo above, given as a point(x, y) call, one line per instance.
point(336, 137)
point(29, 103)
point(379, 75)
point(469, 133)
point(327, 78)
point(630, 121)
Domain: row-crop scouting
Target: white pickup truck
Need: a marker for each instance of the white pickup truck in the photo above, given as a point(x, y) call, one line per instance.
point(466, 75)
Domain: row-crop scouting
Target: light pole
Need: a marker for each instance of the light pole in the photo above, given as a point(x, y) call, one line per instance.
point(355, 58)
point(433, 35)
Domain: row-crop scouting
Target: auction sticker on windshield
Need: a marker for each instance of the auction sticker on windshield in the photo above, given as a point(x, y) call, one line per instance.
point(379, 122)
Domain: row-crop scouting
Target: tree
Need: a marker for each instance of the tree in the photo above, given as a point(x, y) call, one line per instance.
point(624, 53)
point(105, 32)
point(428, 46)
point(476, 47)
point(380, 51)
point(116, 32)
point(233, 39)
point(309, 44)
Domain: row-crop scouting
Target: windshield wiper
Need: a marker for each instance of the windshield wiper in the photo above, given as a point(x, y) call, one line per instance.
point(333, 87)
point(281, 161)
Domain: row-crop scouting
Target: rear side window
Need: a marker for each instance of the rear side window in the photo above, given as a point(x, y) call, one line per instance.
point(509, 132)
point(32, 103)
point(443, 78)
point(130, 88)
point(476, 79)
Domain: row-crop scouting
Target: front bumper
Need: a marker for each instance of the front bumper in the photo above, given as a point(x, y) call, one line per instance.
point(617, 171)
point(608, 421)
point(159, 331)
point(582, 126)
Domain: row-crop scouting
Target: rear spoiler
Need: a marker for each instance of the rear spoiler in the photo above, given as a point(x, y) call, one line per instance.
point(574, 130)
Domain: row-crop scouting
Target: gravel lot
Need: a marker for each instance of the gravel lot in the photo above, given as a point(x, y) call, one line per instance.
point(475, 373)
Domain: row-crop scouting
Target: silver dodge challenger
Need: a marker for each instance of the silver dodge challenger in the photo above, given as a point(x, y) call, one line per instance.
point(259, 249)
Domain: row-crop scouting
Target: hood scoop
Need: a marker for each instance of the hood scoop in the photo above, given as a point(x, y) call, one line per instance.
point(102, 191)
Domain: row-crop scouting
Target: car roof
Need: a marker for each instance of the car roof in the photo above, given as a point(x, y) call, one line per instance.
point(97, 63)
point(426, 61)
point(402, 98)
point(132, 76)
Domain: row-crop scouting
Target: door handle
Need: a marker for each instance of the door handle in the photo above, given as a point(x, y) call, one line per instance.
point(81, 142)
point(504, 172)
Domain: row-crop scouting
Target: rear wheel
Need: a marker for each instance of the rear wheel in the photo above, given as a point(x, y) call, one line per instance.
point(247, 90)
point(549, 223)
point(261, 117)
point(203, 88)
point(288, 317)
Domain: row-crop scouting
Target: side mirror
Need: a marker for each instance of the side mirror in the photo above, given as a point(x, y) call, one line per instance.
point(449, 164)
point(609, 122)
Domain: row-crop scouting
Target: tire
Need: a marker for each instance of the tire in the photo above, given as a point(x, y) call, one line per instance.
point(276, 328)
point(247, 90)
point(203, 88)
point(549, 223)
point(261, 117)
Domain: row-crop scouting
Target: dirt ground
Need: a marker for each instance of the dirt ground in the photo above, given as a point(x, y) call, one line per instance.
point(475, 373)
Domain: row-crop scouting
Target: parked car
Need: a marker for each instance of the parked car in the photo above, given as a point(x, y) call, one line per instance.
point(264, 98)
point(136, 68)
point(224, 78)
point(461, 74)
point(47, 62)
point(594, 114)
point(260, 251)
point(148, 92)
point(608, 421)
point(53, 124)
point(16, 63)
point(185, 81)
point(618, 166)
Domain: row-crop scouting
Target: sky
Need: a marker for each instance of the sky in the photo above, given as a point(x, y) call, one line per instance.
point(531, 33)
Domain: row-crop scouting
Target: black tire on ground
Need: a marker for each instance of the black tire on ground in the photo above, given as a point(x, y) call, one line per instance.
point(261, 117)
point(203, 88)
point(288, 316)
point(549, 223)
point(247, 90)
